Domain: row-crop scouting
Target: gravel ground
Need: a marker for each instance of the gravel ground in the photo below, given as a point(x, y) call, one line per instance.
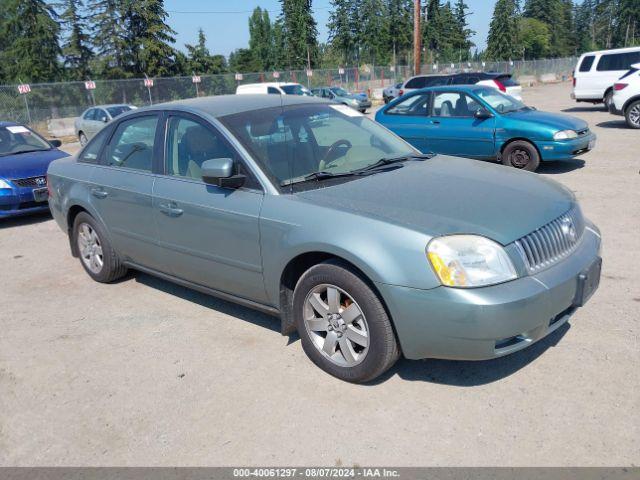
point(143, 372)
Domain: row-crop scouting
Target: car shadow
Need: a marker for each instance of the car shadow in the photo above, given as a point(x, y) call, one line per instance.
point(228, 308)
point(24, 220)
point(561, 166)
point(613, 124)
point(468, 373)
point(592, 108)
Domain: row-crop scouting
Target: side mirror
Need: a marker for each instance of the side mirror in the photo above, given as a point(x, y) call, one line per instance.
point(55, 143)
point(104, 119)
point(482, 114)
point(219, 172)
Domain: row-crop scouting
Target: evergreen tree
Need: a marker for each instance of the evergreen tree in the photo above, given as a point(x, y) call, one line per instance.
point(300, 33)
point(30, 34)
point(557, 14)
point(502, 42)
point(373, 31)
point(399, 28)
point(108, 37)
point(279, 47)
point(200, 59)
point(148, 39)
point(76, 47)
point(462, 43)
point(583, 26)
point(535, 38)
point(341, 35)
point(261, 39)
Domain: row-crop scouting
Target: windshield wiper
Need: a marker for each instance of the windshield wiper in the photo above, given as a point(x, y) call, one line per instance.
point(321, 175)
point(390, 160)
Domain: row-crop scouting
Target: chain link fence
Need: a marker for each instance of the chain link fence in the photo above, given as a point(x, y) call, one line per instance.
point(67, 100)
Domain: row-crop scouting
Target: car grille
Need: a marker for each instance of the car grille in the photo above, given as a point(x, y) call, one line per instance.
point(582, 133)
point(552, 242)
point(39, 181)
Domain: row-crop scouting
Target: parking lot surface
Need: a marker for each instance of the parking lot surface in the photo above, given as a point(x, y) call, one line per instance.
point(143, 372)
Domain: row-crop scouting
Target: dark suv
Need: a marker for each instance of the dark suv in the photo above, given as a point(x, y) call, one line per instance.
point(502, 81)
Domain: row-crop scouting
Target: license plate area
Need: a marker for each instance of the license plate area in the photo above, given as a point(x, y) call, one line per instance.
point(588, 282)
point(40, 194)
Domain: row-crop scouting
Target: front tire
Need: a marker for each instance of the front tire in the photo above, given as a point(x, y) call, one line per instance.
point(522, 155)
point(96, 255)
point(82, 138)
point(632, 115)
point(343, 326)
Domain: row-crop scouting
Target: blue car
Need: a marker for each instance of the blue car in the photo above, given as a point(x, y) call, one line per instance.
point(24, 159)
point(483, 123)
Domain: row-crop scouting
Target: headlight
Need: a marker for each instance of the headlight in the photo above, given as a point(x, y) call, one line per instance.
point(565, 135)
point(4, 184)
point(469, 261)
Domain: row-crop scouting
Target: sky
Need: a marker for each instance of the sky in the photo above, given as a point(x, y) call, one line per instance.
point(227, 31)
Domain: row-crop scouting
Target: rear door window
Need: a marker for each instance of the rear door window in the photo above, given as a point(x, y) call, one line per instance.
point(417, 82)
point(617, 61)
point(132, 144)
point(436, 81)
point(586, 64)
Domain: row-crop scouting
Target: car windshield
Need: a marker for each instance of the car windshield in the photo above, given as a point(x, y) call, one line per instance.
point(295, 90)
point(341, 92)
point(294, 142)
point(119, 110)
point(499, 101)
point(16, 139)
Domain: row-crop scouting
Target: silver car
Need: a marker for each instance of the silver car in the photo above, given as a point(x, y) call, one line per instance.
point(308, 210)
point(93, 119)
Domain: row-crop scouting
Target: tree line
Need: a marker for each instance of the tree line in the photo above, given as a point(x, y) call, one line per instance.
point(44, 41)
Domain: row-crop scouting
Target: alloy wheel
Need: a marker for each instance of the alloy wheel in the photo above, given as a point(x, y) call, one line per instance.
point(90, 248)
point(336, 325)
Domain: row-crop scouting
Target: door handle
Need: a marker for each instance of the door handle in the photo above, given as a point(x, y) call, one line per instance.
point(435, 122)
point(170, 209)
point(99, 192)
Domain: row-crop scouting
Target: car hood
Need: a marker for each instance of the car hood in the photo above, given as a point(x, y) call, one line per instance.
point(553, 120)
point(30, 164)
point(449, 195)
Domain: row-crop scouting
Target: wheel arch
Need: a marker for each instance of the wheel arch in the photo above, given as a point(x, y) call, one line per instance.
point(631, 100)
point(606, 92)
point(519, 139)
point(297, 266)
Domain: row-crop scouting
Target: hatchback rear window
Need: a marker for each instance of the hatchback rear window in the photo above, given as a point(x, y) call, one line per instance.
point(418, 82)
point(507, 81)
point(586, 64)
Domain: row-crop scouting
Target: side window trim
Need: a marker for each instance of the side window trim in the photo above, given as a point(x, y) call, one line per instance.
point(215, 129)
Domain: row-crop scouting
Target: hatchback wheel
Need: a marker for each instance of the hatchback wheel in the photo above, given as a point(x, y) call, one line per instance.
point(83, 139)
point(632, 115)
point(96, 254)
point(521, 154)
point(343, 326)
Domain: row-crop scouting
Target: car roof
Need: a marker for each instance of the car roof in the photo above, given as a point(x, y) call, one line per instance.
point(613, 50)
point(461, 88)
point(222, 105)
point(8, 124)
point(108, 105)
point(268, 84)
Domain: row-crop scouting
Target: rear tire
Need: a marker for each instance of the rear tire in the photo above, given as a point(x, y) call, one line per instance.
point(632, 115)
point(343, 326)
point(522, 155)
point(96, 255)
point(608, 100)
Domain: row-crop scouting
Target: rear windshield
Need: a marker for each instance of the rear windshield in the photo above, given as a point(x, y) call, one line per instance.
point(586, 64)
point(507, 81)
point(119, 110)
point(417, 82)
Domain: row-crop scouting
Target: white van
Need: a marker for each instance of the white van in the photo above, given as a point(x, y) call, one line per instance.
point(278, 88)
point(596, 72)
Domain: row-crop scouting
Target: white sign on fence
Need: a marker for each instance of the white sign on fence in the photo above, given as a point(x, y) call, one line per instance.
point(24, 88)
point(196, 79)
point(309, 73)
point(148, 82)
point(90, 85)
point(238, 76)
point(341, 71)
point(276, 74)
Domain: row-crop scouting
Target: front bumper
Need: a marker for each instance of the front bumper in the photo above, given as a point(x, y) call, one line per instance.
point(19, 201)
point(488, 322)
point(566, 149)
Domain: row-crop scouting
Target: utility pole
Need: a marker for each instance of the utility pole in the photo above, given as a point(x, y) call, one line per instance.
point(416, 37)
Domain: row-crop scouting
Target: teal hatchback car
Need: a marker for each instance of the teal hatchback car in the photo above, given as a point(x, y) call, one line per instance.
point(310, 211)
point(483, 123)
